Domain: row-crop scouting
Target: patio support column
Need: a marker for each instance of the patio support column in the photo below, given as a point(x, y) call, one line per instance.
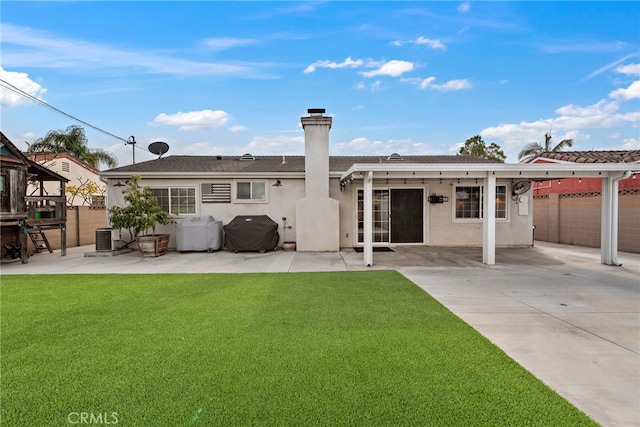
point(605, 224)
point(609, 224)
point(368, 219)
point(489, 220)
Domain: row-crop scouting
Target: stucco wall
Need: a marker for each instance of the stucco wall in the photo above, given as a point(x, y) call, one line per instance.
point(280, 203)
point(442, 229)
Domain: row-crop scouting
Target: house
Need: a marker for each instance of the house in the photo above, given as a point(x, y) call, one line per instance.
point(23, 214)
point(568, 210)
point(84, 188)
point(325, 202)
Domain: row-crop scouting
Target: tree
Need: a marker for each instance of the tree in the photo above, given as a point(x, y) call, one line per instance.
point(476, 147)
point(72, 140)
point(142, 212)
point(534, 149)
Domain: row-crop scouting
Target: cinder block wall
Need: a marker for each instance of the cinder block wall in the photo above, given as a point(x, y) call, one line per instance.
point(574, 219)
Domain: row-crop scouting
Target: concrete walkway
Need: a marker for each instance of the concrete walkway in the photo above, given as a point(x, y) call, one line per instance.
point(571, 321)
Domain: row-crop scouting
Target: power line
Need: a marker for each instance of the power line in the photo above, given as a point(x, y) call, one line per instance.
point(38, 101)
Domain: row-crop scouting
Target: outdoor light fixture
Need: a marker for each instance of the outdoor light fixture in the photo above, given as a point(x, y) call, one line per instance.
point(278, 183)
point(120, 184)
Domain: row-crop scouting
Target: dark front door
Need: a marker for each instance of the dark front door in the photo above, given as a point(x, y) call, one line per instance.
point(407, 215)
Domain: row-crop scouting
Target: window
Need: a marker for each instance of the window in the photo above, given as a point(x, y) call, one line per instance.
point(380, 216)
point(176, 201)
point(469, 200)
point(2, 178)
point(251, 191)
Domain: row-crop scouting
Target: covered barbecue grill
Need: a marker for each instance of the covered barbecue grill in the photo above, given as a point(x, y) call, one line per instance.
point(199, 233)
point(251, 233)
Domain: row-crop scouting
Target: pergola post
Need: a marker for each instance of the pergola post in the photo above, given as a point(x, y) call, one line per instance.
point(489, 220)
point(368, 219)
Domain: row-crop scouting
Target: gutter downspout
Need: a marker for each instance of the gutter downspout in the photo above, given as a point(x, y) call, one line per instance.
point(614, 217)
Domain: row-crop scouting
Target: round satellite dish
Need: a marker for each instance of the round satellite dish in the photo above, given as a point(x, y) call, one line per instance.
point(158, 148)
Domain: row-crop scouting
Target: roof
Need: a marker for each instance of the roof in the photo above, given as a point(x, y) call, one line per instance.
point(615, 156)
point(271, 164)
point(40, 157)
point(34, 169)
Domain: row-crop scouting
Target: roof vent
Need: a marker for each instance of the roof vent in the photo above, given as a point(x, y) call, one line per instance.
point(247, 157)
point(395, 156)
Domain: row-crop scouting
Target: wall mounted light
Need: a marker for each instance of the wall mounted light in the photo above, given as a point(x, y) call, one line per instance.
point(278, 183)
point(120, 184)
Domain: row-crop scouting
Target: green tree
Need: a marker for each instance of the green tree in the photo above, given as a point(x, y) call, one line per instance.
point(73, 140)
point(142, 211)
point(534, 149)
point(475, 146)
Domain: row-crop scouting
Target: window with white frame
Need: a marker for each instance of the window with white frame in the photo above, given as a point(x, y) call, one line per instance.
point(469, 201)
point(176, 201)
point(251, 191)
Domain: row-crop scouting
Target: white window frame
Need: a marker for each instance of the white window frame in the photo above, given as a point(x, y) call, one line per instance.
point(169, 190)
point(252, 182)
point(454, 212)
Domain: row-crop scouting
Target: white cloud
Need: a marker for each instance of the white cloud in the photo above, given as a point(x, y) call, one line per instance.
point(630, 144)
point(573, 121)
point(393, 68)
point(276, 145)
point(8, 98)
point(347, 63)
point(451, 85)
point(632, 92)
point(629, 69)
point(238, 128)
point(369, 147)
point(222, 43)
point(464, 7)
point(27, 47)
point(423, 41)
point(425, 83)
point(194, 120)
point(433, 44)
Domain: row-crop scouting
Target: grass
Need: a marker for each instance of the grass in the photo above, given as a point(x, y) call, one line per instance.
point(348, 348)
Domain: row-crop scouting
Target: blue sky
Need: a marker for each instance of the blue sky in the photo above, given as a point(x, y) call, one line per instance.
point(410, 77)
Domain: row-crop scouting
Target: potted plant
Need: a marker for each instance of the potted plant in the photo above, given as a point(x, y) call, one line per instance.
point(141, 214)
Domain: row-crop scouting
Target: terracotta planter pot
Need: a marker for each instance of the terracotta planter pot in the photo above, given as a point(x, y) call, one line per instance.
point(153, 245)
point(289, 246)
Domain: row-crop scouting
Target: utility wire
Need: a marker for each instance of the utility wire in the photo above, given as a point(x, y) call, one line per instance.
point(32, 98)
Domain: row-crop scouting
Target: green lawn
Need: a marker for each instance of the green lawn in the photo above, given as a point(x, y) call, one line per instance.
point(348, 348)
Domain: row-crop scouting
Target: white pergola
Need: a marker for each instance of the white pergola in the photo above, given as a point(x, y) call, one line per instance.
point(610, 173)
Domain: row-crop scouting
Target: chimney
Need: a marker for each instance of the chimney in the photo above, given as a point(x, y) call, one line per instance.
point(317, 215)
point(316, 152)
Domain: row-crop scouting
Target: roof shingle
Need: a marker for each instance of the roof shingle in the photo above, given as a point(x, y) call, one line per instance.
point(233, 164)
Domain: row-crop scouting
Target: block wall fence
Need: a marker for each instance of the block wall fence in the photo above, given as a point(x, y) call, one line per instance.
point(574, 219)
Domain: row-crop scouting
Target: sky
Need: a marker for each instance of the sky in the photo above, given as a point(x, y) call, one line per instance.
point(234, 77)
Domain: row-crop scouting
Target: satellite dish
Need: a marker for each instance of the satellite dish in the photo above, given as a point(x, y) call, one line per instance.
point(520, 187)
point(158, 148)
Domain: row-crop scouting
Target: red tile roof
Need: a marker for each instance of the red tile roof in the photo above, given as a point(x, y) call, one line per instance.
point(615, 156)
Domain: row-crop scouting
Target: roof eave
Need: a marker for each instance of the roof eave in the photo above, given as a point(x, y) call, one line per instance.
point(481, 170)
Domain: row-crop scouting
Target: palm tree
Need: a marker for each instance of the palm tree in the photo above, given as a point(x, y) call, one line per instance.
point(534, 149)
point(72, 140)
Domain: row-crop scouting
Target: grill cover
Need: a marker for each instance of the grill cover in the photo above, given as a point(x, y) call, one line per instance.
point(199, 233)
point(251, 233)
